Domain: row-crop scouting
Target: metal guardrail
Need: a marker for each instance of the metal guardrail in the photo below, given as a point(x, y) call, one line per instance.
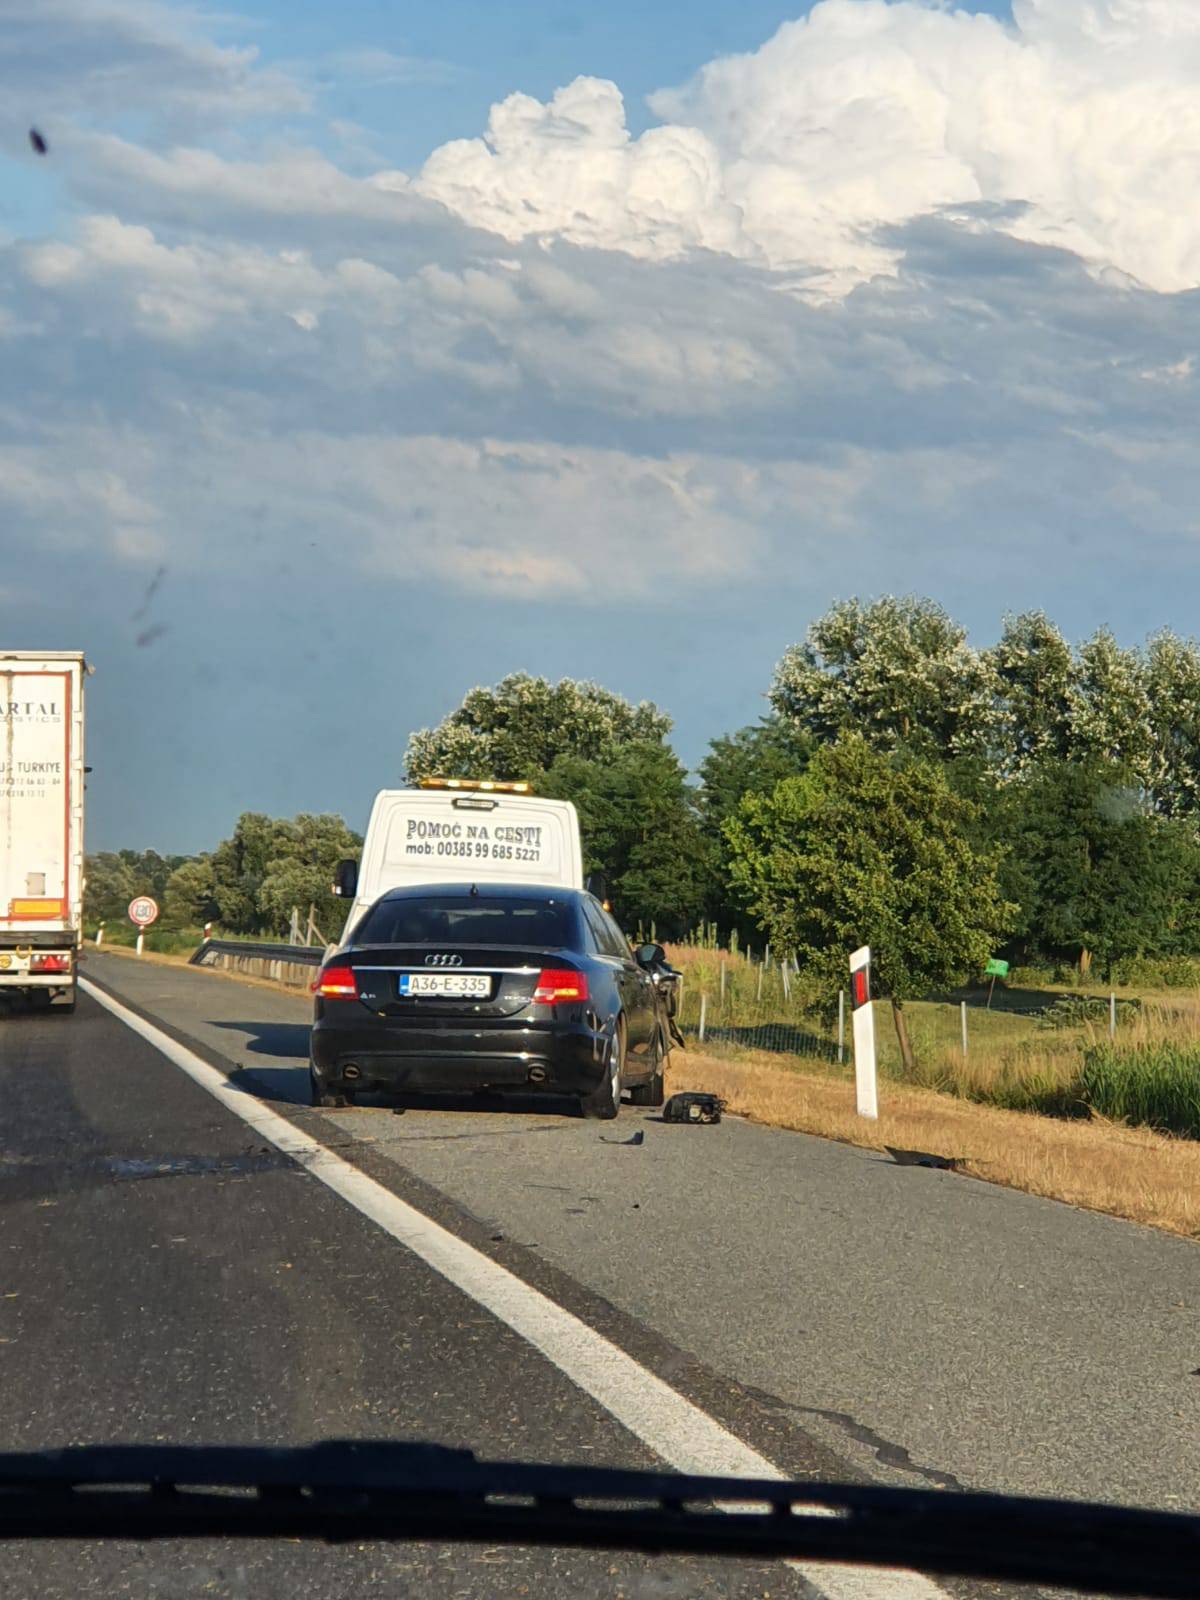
point(300, 955)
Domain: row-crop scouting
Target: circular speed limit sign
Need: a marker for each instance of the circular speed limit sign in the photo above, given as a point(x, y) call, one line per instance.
point(143, 911)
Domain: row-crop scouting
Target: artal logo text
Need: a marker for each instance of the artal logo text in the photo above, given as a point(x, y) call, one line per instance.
point(30, 710)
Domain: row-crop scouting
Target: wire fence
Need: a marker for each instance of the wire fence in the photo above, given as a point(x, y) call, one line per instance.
point(758, 1006)
point(733, 1000)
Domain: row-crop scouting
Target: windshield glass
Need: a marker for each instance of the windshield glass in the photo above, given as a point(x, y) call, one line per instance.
point(545, 924)
point(719, 479)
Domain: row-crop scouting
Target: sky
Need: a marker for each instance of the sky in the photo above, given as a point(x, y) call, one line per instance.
point(353, 356)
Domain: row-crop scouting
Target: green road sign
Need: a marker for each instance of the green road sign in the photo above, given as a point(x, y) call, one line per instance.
point(996, 969)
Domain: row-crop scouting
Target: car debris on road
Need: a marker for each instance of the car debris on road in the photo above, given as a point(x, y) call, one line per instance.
point(923, 1158)
point(693, 1106)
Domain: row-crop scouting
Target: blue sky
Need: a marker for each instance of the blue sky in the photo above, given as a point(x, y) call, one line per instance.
point(358, 355)
point(479, 52)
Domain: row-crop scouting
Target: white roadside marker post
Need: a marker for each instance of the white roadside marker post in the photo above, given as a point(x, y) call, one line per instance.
point(863, 1024)
point(963, 1005)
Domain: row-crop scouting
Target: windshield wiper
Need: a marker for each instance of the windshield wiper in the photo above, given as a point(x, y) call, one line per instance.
point(367, 1490)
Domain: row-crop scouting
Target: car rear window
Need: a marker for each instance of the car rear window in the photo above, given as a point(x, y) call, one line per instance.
point(545, 924)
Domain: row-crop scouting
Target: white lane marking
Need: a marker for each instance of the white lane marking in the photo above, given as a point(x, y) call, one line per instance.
point(677, 1431)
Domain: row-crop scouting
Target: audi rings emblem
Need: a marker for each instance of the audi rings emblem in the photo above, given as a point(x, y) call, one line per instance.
point(443, 961)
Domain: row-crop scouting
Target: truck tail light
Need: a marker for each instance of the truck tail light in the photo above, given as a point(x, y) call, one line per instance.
point(50, 961)
point(558, 986)
point(337, 983)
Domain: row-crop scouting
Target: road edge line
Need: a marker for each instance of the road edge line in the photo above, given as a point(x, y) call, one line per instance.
point(665, 1421)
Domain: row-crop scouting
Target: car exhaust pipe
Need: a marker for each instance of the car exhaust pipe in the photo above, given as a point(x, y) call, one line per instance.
point(351, 1073)
point(537, 1074)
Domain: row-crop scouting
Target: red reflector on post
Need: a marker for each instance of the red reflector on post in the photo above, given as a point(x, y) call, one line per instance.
point(50, 961)
point(559, 986)
point(860, 991)
point(337, 983)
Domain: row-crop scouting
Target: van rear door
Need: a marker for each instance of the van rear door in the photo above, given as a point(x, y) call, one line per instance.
point(418, 836)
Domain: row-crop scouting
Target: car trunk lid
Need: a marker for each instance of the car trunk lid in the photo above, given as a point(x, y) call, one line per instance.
point(384, 974)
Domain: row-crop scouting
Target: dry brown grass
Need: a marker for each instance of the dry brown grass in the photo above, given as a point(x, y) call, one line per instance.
point(1134, 1173)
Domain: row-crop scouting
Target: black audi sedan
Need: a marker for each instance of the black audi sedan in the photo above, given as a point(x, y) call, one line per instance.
point(487, 987)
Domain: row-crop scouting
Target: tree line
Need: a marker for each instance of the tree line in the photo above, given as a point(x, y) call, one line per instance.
point(943, 802)
point(247, 885)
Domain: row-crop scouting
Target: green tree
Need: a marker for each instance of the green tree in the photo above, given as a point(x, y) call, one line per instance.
point(301, 873)
point(1172, 682)
point(1034, 674)
point(868, 849)
point(271, 864)
point(751, 761)
point(115, 877)
point(1103, 877)
point(1110, 712)
point(240, 864)
point(520, 727)
point(111, 885)
point(897, 671)
point(754, 759)
point(639, 825)
point(190, 897)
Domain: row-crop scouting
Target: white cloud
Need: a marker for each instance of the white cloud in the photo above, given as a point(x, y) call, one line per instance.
point(378, 68)
point(179, 291)
point(525, 518)
point(1084, 115)
point(196, 185)
point(603, 373)
point(95, 59)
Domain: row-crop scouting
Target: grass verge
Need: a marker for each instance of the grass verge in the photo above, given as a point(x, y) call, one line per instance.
point(1100, 1166)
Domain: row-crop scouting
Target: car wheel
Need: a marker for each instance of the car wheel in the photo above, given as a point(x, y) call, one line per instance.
point(321, 1094)
point(654, 1091)
point(605, 1101)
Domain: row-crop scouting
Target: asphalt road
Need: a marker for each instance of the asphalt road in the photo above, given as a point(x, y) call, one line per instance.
point(927, 1328)
point(164, 1275)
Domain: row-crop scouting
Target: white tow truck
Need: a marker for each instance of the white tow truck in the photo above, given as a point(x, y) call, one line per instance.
point(460, 830)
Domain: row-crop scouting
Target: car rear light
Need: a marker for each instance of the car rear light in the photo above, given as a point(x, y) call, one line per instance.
point(558, 986)
point(50, 962)
point(337, 983)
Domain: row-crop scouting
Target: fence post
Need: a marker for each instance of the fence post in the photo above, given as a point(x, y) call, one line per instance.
point(294, 929)
point(722, 983)
point(787, 988)
point(963, 1005)
point(1112, 1016)
point(767, 956)
point(761, 970)
point(703, 1015)
point(841, 1026)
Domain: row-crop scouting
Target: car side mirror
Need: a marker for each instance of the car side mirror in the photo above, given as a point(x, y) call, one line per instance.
point(649, 955)
point(345, 880)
